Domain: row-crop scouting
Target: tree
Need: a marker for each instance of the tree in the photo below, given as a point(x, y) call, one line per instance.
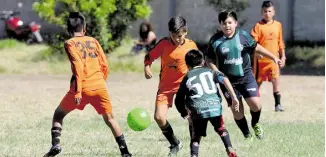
point(236, 5)
point(107, 20)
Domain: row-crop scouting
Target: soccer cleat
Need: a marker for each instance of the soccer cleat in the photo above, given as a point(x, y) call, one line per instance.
point(231, 152)
point(55, 150)
point(174, 149)
point(249, 137)
point(126, 155)
point(258, 131)
point(279, 108)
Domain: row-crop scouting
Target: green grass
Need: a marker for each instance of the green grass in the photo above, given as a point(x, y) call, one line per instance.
point(310, 56)
point(93, 138)
point(38, 59)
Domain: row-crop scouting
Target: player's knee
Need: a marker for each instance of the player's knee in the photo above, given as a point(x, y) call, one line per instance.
point(108, 118)
point(59, 114)
point(159, 117)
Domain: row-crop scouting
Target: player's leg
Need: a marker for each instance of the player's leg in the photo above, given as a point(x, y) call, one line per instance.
point(250, 92)
point(275, 77)
point(100, 100)
point(199, 127)
point(163, 102)
point(67, 105)
point(219, 127)
point(239, 117)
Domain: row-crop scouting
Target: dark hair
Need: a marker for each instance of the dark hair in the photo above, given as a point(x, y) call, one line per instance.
point(144, 29)
point(222, 16)
point(267, 4)
point(194, 58)
point(76, 22)
point(177, 24)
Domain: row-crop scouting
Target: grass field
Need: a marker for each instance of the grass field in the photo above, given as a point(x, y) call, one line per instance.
point(28, 102)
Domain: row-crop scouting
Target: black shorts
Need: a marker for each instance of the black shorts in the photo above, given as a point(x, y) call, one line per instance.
point(199, 126)
point(246, 88)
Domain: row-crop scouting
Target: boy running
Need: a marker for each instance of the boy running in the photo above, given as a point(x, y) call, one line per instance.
point(268, 33)
point(87, 84)
point(172, 51)
point(229, 51)
point(198, 93)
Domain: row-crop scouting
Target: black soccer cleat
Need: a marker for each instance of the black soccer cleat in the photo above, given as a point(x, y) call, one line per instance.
point(55, 150)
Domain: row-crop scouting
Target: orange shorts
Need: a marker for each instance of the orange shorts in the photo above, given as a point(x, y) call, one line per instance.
point(165, 98)
point(266, 71)
point(99, 99)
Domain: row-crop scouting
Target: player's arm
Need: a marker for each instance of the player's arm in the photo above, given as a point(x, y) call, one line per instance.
point(281, 45)
point(210, 57)
point(219, 77)
point(251, 45)
point(255, 33)
point(151, 56)
point(77, 66)
point(102, 60)
point(261, 50)
point(180, 99)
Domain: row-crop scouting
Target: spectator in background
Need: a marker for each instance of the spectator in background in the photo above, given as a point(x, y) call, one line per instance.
point(147, 38)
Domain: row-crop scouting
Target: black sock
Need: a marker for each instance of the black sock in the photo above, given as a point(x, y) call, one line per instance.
point(168, 133)
point(224, 134)
point(55, 133)
point(122, 144)
point(194, 147)
point(277, 97)
point(243, 125)
point(255, 117)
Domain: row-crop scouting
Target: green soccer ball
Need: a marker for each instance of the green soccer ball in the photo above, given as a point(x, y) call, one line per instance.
point(138, 119)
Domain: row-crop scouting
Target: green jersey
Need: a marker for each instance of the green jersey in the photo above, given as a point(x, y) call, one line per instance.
point(198, 93)
point(232, 55)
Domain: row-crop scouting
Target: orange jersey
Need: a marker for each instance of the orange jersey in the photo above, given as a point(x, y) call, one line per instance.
point(88, 64)
point(270, 36)
point(173, 65)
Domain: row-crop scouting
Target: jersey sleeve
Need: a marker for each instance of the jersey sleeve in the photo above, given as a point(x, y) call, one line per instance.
point(154, 53)
point(248, 42)
point(255, 32)
point(218, 76)
point(210, 52)
point(77, 66)
point(102, 60)
point(281, 44)
point(180, 98)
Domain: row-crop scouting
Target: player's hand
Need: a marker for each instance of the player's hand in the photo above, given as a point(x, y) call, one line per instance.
point(235, 104)
point(259, 56)
point(187, 117)
point(278, 62)
point(77, 101)
point(136, 42)
point(283, 62)
point(148, 72)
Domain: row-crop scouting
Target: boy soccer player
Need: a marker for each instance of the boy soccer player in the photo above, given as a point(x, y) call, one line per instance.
point(198, 93)
point(229, 50)
point(172, 51)
point(268, 33)
point(87, 85)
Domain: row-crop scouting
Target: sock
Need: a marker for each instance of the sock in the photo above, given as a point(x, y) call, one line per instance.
point(194, 147)
point(243, 126)
point(277, 97)
point(255, 117)
point(55, 133)
point(122, 144)
point(225, 138)
point(169, 135)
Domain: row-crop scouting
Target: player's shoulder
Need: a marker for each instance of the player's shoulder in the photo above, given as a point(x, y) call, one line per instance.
point(163, 40)
point(243, 33)
point(218, 36)
point(278, 23)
